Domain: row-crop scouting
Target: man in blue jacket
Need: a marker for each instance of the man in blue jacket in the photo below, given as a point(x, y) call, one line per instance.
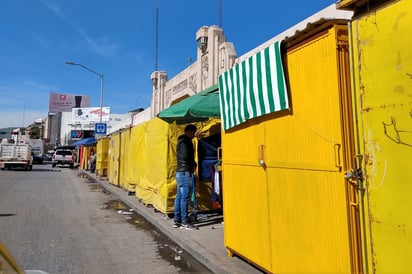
point(186, 165)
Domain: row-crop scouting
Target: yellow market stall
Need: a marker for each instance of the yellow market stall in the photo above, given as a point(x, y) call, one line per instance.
point(124, 157)
point(83, 149)
point(86, 152)
point(165, 191)
point(102, 157)
point(119, 157)
point(114, 158)
point(287, 143)
point(151, 164)
point(156, 165)
point(134, 160)
point(201, 109)
point(382, 62)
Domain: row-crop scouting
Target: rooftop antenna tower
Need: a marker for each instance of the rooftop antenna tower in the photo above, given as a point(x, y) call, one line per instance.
point(24, 113)
point(220, 12)
point(157, 37)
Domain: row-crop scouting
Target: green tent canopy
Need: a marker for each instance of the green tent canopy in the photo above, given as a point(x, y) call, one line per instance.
point(196, 108)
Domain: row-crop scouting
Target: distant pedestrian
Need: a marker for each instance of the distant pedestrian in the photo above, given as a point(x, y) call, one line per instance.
point(92, 161)
point(186, 165)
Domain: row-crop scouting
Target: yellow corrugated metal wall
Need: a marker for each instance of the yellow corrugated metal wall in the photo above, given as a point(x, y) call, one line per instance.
point(383, 83)
point(290, 213)
point(245, 209)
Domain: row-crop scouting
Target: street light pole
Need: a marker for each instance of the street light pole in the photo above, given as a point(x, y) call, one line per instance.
point(101, 84)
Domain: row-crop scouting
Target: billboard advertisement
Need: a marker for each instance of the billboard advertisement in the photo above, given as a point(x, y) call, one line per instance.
point(76, 135)
point(59, 102)
point(88, 115)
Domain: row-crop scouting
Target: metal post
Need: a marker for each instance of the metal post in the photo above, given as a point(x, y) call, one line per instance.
point(101, 97)
point(101, 85)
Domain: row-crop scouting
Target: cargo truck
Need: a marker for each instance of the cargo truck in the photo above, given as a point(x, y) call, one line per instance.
point(37, 146)
point(16, 155)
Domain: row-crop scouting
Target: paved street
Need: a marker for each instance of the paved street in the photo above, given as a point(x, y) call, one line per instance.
point(56, 220)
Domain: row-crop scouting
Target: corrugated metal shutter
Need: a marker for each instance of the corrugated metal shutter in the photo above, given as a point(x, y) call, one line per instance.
point(253, 88)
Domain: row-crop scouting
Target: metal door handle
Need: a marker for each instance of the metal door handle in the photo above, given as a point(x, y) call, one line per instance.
point(336, 150)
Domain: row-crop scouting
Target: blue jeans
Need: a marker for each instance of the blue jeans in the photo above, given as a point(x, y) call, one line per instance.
point(184, 188)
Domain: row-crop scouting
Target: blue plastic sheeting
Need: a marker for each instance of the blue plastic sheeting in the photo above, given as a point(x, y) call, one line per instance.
point(85, 142)
point(205, 171)
point(207, 150)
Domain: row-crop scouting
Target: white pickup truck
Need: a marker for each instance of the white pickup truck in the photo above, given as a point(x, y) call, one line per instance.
point(63, 157)
point(16, 155)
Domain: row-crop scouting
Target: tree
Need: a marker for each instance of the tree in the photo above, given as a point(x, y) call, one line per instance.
point(34, 132)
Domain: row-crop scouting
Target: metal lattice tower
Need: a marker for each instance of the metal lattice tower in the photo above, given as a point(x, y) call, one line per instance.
point(157, 37)
point(220, 12)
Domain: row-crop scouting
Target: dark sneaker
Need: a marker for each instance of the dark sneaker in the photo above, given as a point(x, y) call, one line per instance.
point(189, 226)
point(176, 225)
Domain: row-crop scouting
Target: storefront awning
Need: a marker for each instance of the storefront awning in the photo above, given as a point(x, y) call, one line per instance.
point(196, 108)
point(253, 88)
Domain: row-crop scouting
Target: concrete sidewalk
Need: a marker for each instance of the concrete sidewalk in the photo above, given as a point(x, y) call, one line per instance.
point(205, 244)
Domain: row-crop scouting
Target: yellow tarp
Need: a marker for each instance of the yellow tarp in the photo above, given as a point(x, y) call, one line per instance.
point(134, 159)
point(158, 165)
point(85, 152)
point(102, 156)
point(123, 155)
point(113, 154)
point(148, 162)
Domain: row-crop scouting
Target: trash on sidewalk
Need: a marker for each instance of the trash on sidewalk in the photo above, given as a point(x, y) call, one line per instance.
point(124, 212)
point(218, 226)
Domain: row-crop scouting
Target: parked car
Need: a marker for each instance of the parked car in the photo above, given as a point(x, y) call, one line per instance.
point(63, 157)
point(38, 158)
point(47, 158)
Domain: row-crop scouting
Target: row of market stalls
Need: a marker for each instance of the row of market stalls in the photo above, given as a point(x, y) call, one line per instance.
point(142, 159)
point(84, 148)
point(311, 130)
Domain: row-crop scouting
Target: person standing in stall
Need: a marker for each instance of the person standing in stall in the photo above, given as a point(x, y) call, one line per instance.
point(186, 165)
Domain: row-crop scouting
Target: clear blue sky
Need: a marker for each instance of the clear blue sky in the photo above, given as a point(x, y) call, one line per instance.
point(117, 38)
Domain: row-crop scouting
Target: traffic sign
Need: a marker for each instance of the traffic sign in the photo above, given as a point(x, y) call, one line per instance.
point(100, 128)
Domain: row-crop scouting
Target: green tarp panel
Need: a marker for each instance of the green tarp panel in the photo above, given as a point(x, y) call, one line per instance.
point(253, 88)
point(196, 108)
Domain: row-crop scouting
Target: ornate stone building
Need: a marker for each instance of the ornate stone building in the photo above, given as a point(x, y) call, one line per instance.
point(214, 55)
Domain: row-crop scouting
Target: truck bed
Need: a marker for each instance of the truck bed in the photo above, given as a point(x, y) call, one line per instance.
point(15, 155)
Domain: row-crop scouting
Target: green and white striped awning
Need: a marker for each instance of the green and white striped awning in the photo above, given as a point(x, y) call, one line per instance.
point(253, 88)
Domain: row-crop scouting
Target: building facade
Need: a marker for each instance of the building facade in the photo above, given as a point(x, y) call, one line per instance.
point(214, 55)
